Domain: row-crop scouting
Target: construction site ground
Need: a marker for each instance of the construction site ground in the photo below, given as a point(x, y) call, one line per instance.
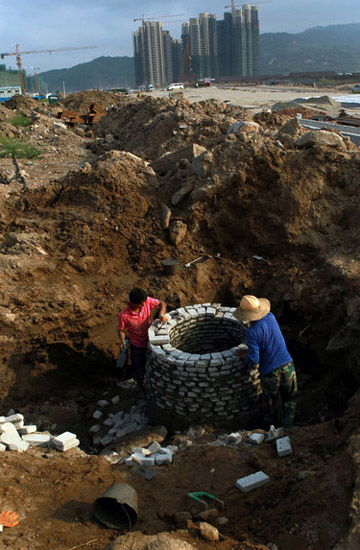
point(274, 219)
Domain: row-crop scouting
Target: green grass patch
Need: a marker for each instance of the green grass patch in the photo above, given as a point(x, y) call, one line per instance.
point(20, 149)
point(20, 120)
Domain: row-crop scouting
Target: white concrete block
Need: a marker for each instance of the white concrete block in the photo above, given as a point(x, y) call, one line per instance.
point(159, 340)
point(11, 438)
point(19, 424)
point(256, 438)
point(37, 440)
point(106, 440)
point(2, 447)
point(235, 438)
point(14, 418)
point(64, 438)
point(69, 445)
point(253, 481)
point(154, 447)
point(103, 403)
point(283, 446)
point(134, 458)
point(164, 456)
point(7, 427)
point(109, 422)
point(95, 428)
point(27, 429)
point(2, 419)
point(141, 451)
point(97, 415)
point(148, 460)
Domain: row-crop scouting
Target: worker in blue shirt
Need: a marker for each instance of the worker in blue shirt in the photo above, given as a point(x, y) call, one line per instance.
point(267, 350)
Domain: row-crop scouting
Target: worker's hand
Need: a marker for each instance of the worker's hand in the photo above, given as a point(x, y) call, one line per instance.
point(242, 353)
point(122, 344)
point(163, 319)
point(9, 519)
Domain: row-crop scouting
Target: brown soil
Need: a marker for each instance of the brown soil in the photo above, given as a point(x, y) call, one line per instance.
point(88, 229)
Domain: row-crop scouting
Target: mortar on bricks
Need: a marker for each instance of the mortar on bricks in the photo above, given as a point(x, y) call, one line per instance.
point(193, 374)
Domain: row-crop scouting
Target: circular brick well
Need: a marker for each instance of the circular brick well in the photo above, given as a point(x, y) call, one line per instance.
point(193, 374)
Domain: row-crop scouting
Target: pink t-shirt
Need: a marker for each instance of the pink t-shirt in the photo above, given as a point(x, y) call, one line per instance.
point(138, 323)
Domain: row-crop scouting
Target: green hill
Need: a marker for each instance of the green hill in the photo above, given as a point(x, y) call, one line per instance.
point(333, 48)
point(103, 72)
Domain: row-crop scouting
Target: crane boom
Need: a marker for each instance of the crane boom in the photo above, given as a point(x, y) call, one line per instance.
point(49, 50)
point(18, 55)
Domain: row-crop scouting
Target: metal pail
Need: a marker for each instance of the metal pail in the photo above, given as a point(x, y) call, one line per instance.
point(117, 507)
point(170, 266)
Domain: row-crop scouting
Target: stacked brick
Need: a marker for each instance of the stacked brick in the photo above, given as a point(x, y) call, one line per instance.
point(193, 371)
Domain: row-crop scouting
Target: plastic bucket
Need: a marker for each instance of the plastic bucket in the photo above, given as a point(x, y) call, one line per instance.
point(117, 507)
point(170, 266)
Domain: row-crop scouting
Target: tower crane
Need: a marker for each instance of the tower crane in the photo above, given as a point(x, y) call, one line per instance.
point(233, 7)
point(18, 54)
point(143, 18)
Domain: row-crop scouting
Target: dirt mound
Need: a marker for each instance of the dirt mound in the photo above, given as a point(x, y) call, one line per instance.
point(23, 102)
point(149, 127)
point(80, 102)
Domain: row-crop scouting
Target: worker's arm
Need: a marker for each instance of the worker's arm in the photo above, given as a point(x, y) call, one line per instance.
point(162, 311)
point(122, 337)
point(253, 353)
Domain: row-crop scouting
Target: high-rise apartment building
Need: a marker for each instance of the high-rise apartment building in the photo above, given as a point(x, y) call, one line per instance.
point(238, 42)
point(149, 53)
point(208, 48)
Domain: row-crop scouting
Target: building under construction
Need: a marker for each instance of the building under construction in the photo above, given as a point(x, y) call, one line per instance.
point(208, 48)
point(9, 77)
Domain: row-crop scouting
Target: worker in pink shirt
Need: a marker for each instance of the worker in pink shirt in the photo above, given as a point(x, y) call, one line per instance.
point(135, 318)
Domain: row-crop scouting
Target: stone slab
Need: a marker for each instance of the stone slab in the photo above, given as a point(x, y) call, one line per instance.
point(252, 481)
point(283, 446)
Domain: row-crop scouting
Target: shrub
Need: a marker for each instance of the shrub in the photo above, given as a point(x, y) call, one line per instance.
point(20, 120)
point(20, 149)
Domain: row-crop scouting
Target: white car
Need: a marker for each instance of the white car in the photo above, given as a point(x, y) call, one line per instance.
point(175, 86)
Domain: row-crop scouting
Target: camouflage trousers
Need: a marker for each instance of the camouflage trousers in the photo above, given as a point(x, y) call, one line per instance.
point(280, 384)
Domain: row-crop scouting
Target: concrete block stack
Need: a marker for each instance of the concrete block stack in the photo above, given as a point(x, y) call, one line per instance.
point(153, 455)
point(111, 426)
point(15, 436)
point(193, 370)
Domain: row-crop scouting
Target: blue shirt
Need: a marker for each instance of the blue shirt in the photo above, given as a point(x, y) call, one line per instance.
point(266, 344)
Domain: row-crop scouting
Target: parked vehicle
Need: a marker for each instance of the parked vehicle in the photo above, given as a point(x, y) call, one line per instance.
point(9, 91)
point(175, 86)
point(356, 89)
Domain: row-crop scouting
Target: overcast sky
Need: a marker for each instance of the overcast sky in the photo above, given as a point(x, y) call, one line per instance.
point(109, 24)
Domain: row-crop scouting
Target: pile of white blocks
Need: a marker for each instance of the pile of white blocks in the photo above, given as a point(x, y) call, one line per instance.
point(15, 436)
point(113, 426)
point(153, 455)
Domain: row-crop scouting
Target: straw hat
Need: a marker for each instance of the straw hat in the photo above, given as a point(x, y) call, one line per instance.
point(252, 308)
